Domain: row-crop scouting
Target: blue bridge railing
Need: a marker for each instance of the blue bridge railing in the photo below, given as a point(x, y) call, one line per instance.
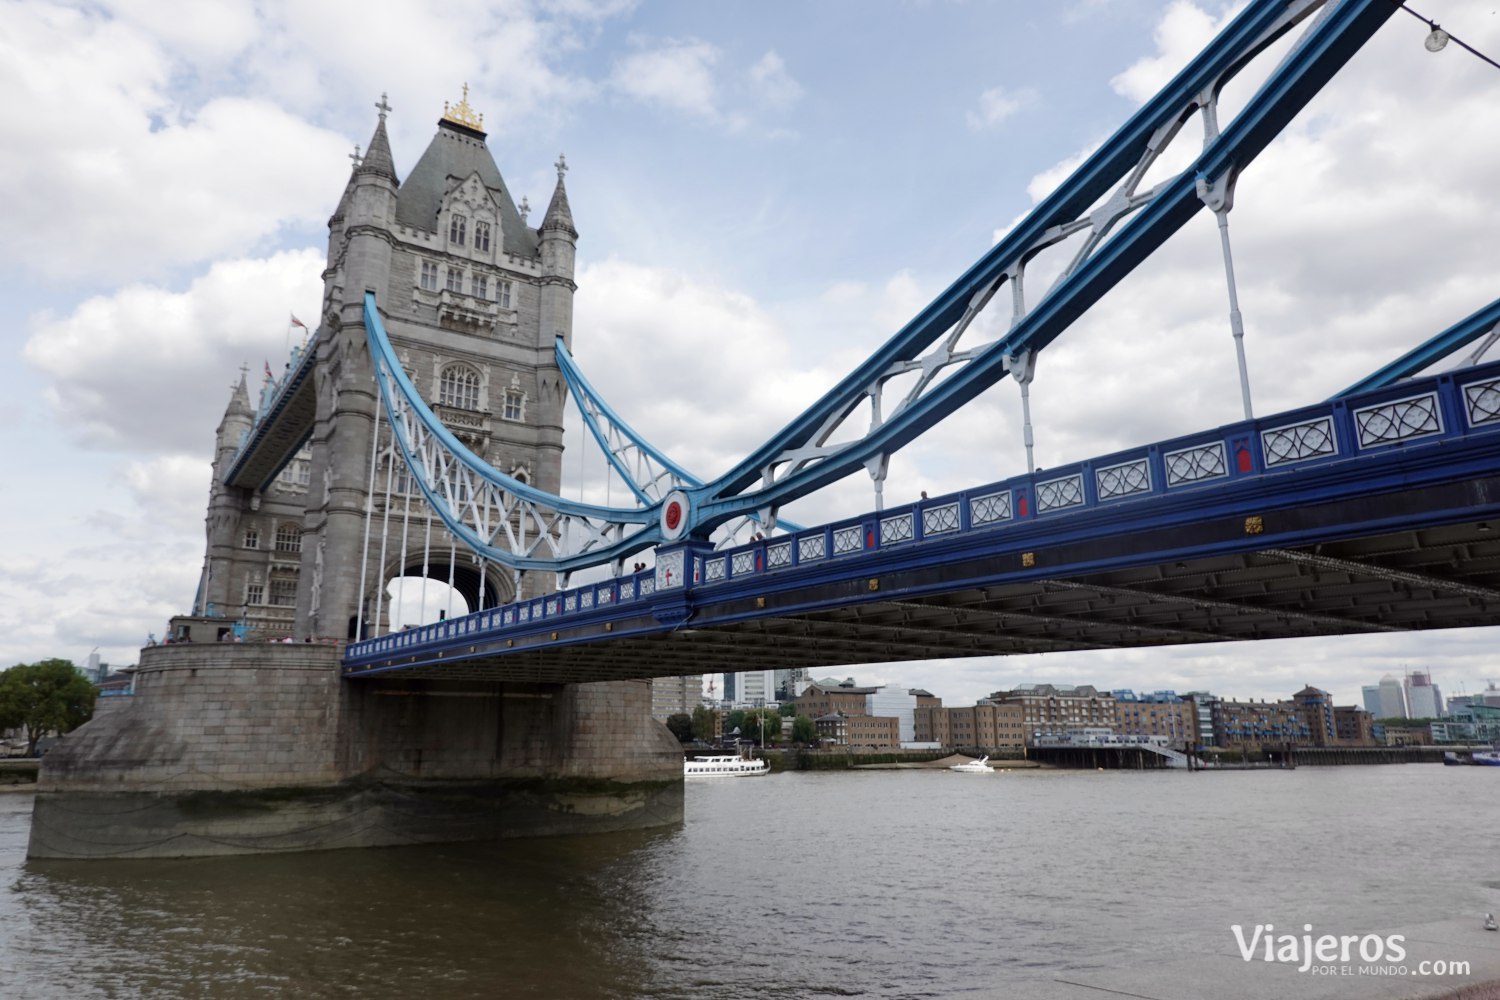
point(1426, 411)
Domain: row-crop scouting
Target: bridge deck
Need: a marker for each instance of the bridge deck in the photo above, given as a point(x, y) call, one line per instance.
point(1366, 514)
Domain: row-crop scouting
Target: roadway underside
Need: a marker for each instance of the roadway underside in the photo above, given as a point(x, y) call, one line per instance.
point(1440, 577)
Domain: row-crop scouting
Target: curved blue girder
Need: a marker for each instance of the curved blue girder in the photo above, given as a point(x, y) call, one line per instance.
point(1435, 349)
point(591, 405)
point(1326, 46)
point(583, 391)
point(1124, 227)
point(460, 486)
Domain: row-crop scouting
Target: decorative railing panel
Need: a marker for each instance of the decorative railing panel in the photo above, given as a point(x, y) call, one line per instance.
point(811, 547)
point(714, 570)
point(743, 562)
point(846, 540)
point(1123, 480)
point(1299, 442)
point(779, 555)
point(1398, 420)
point(895, 529)
point(940, 520)
point(1192, 465)
point(991, 508)
point(1482, 401)
point(669, 569)
point(1058, 494)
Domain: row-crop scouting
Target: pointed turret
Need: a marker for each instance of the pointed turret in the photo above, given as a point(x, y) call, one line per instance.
point(558, 246)
point(238, 416)
point(559, 215)
point(378, 159)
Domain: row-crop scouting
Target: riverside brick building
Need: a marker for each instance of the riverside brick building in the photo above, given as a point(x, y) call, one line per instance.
point(985, 726)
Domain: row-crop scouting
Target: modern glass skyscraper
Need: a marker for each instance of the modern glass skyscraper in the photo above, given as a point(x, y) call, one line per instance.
point(1392, 699)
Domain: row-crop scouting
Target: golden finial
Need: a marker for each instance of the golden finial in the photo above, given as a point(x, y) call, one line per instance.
point(462, 114)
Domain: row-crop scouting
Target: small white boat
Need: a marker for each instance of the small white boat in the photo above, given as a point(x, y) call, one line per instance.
point(727, 766)
point(980, 766)
point(1485, 758)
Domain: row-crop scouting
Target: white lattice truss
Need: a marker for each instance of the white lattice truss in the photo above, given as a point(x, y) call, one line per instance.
point(498, 517)
point(945, 360)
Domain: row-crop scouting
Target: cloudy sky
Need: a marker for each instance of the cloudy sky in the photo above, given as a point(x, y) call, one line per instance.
point(765, 191)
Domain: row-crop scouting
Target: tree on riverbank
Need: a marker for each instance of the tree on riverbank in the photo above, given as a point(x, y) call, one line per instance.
point(49, 696)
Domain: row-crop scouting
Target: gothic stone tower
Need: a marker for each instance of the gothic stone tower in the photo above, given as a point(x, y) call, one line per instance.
point(473, 299)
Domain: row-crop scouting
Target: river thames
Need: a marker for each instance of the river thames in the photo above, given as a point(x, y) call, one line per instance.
point(844, 884)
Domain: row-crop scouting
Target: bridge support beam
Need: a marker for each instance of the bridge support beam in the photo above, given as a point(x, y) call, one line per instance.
point(260, 748)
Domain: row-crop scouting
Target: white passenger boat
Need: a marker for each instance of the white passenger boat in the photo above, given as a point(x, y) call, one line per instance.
point(980, 766)
point(726, 766)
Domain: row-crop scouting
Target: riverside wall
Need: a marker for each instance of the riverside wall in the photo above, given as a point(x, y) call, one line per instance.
point(230, 748)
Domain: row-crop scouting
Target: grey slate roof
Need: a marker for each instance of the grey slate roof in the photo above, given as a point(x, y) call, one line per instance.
point(377, 159)
point(456, 152)
point(559, 213)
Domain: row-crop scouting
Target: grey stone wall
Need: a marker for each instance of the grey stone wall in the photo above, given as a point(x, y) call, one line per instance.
point(231, 748)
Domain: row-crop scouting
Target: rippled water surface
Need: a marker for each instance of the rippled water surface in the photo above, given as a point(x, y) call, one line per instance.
point(873, 884)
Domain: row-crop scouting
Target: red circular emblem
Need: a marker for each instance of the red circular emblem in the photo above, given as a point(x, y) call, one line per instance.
point(674, 515)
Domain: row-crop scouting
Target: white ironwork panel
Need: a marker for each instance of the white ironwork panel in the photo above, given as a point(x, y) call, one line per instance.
point(570, 603)
point(1123, 480)
point(604, 596)
point(1398, 420)
point(744, 562)
point(778, 555)
point(896, 529)
point(1482, 400)
point(551, 606)
point(669, 568)
point(846, 540)
point(940, 520)
point(1192, 465)
point(586, 599)
point(627, 590)
point(811, 548)
point(1059, 494)
point(648, 587)
point(715, 569)
point(989, 509)
point(1298, 442)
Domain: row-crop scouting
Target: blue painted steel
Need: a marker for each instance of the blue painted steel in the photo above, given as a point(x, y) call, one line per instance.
point(1318, 55)
point(290, 383)
point(1430, 352)
point(384, 356)
point(1266, 466)
point(582, 389)
point(1304, 71)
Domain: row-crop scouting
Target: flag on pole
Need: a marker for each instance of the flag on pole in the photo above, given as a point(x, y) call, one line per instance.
point(268, 370)
point(298, 322)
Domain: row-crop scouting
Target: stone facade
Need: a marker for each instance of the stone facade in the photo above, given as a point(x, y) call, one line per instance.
point(230, 748)
point(473, 299)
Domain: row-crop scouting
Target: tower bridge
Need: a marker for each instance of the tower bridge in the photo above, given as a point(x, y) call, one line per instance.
point(423, 422)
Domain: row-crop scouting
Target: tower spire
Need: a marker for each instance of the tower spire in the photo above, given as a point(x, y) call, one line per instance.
point(377, 158)
point(559, 214)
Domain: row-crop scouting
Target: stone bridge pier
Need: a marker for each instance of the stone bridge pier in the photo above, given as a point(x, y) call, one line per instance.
point(230, 748)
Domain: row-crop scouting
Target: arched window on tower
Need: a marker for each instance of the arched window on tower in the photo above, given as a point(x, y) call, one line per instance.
point(457, 226)
point(481, 236)
point(459, 387)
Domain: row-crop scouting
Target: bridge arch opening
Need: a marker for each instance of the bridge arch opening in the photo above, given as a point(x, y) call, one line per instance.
point(414, 598)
